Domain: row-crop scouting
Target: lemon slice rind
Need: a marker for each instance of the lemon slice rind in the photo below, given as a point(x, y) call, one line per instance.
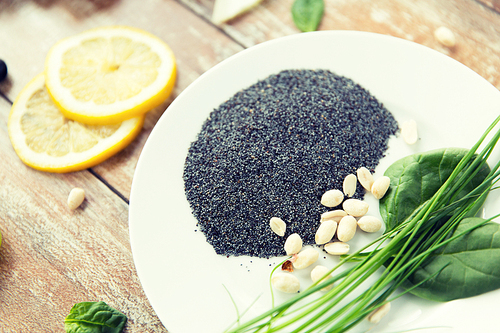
point(72, 161)
point(88, 111)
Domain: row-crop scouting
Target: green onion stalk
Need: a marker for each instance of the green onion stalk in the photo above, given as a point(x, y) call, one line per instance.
point(371, 278)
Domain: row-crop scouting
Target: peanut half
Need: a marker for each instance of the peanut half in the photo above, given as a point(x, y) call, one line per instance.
point(349, 185)
point(347, 228)
point(369, 224)
point(445, 36)
point(319, 273)
point(365, 178)
point(409, 132)
point(75, 198)
point(325, 232)
point(355, 207)
point(335, 215)
point(278, 226)
point(285, 282)
point(380, 187)
point(306, 258)
point(332, 198)
point(293, 244)
point(337, 248)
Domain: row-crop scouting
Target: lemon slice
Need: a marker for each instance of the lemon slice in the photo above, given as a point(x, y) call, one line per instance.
point(46, 140)
point(109, 74)
point(225, 10)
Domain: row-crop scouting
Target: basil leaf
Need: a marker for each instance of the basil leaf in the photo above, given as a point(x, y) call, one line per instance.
point(467, 266)
point(415, 179)
point(94, 317)
point(307, 14)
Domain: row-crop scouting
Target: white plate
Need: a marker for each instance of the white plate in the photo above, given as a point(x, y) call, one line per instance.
point(182, 276)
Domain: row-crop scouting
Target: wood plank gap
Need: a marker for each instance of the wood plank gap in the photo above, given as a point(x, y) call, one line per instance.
point(6, 98)
point(211, 23)
point(493, 5)
point(114, 190)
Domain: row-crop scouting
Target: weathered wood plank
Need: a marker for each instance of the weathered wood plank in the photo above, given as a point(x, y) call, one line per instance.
point(476, 27)
point(197, 45)
point(51, 257)
point(493, 4)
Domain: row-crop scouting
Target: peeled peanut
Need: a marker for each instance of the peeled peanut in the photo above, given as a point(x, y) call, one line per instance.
point(337, 248)
point(347, 228)
point(278, 226)
point(365, 178)
point(409, 132)
point(318, 273)
point(335, 215)
point(379, 313)
point(355, 207)
point(445, 36)
point(306, 258)
point(380, 187)
point(369, 224)
point(325, 232)
point(293, 244)
point(349, 185)
point(75, 198)
point(332, 198)
point(285, 282)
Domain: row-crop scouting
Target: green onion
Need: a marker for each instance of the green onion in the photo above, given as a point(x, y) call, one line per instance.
point(363, 285)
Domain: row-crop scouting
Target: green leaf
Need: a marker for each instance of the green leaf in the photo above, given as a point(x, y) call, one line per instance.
point(467, 266)
point(415, 179)
point(307, 14)
point(94, 317)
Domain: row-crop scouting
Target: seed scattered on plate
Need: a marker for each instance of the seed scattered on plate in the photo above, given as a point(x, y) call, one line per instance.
point(409, 131)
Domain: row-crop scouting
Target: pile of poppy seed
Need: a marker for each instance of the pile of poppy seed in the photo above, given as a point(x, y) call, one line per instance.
point(273, 149)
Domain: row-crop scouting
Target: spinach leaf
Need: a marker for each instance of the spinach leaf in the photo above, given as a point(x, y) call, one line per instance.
point(415, 179)
point(307, 14)
point(94, 317)
point(467, 266)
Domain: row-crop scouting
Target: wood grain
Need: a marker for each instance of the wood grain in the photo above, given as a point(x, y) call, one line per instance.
point(476, 27)
point(198, 46)
point(493, 4)
point(52, 257)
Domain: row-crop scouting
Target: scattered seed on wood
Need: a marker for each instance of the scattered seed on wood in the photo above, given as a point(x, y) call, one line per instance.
point(445, 36)
point(75, 198)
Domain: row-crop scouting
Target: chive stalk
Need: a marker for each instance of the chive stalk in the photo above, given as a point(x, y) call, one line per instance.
point(401, 250)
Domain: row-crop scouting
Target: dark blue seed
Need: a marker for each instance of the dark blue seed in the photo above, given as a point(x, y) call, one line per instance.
point(3, 70)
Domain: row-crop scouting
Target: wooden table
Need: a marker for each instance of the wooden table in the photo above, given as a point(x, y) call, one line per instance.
point(51, 257)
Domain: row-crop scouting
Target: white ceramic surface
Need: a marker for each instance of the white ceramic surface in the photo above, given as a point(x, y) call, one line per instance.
point(188, 284)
